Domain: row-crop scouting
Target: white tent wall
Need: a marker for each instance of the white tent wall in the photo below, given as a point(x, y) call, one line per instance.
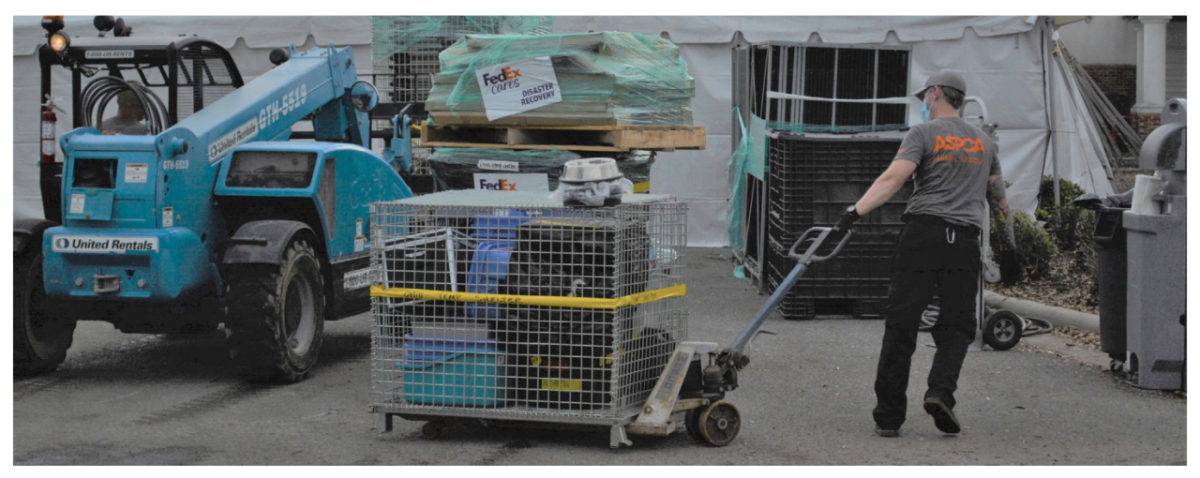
point(1004, 60)
point(248, 39)
point(1001, 58)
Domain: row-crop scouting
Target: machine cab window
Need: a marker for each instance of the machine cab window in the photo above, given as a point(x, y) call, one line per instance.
point(271, 169)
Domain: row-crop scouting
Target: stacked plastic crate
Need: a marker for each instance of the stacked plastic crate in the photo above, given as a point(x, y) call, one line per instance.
point(508, 306)
point(813, 178)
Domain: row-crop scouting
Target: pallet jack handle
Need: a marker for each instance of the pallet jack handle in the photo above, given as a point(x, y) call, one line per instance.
point(810, 255)
point(802, 261)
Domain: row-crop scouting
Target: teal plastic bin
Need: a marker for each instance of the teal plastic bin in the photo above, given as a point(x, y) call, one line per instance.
point(453, 372)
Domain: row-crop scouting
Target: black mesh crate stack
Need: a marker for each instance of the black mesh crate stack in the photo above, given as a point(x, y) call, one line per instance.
point(813, 179)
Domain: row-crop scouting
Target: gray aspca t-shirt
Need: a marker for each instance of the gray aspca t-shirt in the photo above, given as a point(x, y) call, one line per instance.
point(954, 160)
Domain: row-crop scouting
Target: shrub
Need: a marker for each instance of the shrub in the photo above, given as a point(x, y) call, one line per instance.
point(1037, 247)
point(1071, 226)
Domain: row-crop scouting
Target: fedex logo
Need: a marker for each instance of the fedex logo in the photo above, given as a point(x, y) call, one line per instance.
point(501, 185)
point(507, 73)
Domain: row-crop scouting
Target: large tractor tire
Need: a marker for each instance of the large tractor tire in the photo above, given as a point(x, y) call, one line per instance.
point(276, 315)
point(41, 333)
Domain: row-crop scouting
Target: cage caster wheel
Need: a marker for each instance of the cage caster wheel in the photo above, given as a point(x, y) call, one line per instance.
point(1002, 330)
point(431, 430)
point(718, 424)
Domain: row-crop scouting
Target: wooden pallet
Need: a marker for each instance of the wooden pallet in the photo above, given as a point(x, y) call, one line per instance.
point(573, 138)
point(446, 118)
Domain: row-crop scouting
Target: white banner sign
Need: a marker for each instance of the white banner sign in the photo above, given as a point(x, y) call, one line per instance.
point(512, 182)
point(357, 279)
point(494, 165)
point(107, 54)
point(518, 86)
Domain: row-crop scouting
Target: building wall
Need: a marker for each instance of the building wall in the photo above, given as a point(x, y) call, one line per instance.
point(1118, 82)
point(1104, 41)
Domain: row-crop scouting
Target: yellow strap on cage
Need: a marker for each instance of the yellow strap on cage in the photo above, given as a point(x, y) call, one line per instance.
point(546, 301)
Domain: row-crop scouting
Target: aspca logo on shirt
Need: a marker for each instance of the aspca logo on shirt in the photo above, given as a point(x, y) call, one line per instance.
point(954, 143)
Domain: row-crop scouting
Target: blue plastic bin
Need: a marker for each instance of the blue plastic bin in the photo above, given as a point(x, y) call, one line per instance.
point(488, 267)
point(498, 227)
point(456, 372)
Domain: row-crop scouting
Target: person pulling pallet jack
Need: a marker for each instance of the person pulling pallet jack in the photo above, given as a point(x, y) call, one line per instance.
point(956, 167)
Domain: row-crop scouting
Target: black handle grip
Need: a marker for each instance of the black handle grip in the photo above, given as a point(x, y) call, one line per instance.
point(810, 254)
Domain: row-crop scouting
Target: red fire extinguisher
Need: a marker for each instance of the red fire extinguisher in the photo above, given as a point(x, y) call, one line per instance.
point(48, 137)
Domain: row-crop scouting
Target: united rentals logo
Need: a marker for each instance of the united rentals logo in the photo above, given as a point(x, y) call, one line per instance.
point(501, 185)
point(104, 245)
point(223, 145)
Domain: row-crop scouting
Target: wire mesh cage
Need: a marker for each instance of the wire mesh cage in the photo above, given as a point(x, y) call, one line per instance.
point(405, 49)
point(507, 305)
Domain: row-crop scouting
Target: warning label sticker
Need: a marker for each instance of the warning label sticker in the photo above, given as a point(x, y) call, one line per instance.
point(136, 173)
point(77, 202)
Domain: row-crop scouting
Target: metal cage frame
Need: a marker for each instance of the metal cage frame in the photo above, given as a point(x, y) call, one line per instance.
point(509, 306)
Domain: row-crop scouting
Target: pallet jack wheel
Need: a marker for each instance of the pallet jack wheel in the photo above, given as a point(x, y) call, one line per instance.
point(1002, 330)
point(431, 430)
point(719, 423)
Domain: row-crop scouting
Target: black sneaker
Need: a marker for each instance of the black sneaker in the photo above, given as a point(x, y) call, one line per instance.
point(943, 417)
point(887, 432)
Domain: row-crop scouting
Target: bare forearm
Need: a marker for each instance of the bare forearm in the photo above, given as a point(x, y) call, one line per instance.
point(883, 189)
point(998, 199)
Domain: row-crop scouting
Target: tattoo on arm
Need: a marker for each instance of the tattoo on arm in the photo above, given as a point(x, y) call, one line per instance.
point(997, 197)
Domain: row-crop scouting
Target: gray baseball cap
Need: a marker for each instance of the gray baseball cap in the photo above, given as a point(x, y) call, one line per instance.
point(946, 77)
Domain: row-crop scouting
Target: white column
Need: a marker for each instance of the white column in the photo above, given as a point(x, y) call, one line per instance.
point(1140, 80)
point(1154, 64)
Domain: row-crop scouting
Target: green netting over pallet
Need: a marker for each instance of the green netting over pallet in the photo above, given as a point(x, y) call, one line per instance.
point(632, 78)
point(398, 34)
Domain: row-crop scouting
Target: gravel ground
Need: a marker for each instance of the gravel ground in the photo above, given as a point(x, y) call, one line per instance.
point(805, 400)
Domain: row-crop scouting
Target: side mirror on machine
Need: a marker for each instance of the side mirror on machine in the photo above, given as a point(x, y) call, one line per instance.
point(364, 96)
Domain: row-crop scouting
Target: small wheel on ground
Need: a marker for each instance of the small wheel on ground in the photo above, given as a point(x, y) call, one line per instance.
point(277, 315)
point(720, 423)
point(1002, 330)
point(42, 332)
point(431, 430)
point(691, 422)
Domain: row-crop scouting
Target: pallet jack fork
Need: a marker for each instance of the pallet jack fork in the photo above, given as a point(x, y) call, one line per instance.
point(699, 374)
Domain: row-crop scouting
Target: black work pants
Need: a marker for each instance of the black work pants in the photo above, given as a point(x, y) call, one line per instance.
point(934, 256)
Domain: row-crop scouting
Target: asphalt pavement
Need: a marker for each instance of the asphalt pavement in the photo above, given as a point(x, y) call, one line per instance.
point(805, 399)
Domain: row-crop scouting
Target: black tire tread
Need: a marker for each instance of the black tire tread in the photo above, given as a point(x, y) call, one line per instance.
point(253, 292)
point(25, 360)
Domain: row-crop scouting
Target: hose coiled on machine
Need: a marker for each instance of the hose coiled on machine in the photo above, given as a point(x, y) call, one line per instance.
point(96, 96)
